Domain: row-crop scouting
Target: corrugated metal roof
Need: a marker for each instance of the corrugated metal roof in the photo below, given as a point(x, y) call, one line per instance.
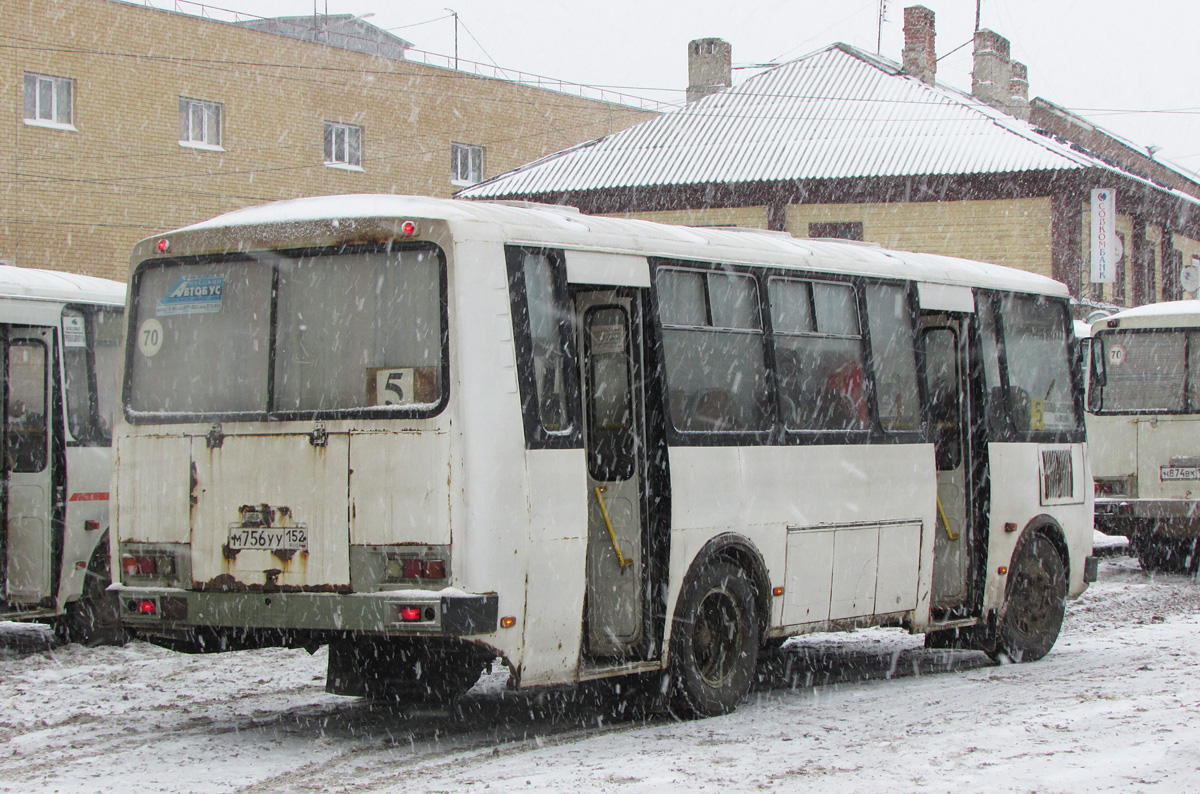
point(838, 113)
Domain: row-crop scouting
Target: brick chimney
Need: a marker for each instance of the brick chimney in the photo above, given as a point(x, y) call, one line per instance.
point(1019, 91)
point(919, 58)
point(991, 77)
point(710, 67)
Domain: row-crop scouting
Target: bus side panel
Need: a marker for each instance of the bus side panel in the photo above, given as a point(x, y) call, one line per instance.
point(89, 471)
point(1112, 441)
point(489, 498)
point(1020, 500)
point(558, 552)
point(861, 493)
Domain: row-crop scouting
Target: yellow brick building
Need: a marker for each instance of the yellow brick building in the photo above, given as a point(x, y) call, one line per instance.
point(125, 120)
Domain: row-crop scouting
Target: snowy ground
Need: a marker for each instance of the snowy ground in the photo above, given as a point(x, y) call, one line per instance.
point(1115, 707)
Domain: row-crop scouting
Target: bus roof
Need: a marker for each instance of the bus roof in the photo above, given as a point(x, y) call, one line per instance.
point(54, 285)
point(1170, 314)
point(552, 225)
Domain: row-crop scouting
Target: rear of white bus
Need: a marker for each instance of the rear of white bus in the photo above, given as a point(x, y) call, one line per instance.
point(284, 470)
point(1144, 432)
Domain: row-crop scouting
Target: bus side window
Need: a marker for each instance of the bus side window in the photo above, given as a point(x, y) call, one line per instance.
point(819, 355)
point(541, 324)
point(999, 420)
point(25, 437)
point(893, 357)
point(714, 348)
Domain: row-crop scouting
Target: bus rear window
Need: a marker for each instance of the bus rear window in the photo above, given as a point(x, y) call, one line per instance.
point(1145, 371)
point(318, 332)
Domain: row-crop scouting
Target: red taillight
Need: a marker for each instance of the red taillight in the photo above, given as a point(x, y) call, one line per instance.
point(146, 607)
point(415, 568)
point(410, 614)
point(91, 524)
point(163, 246)
point(147, 565)
point(408, 228)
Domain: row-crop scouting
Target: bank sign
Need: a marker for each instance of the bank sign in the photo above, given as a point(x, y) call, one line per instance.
point(1105, 245)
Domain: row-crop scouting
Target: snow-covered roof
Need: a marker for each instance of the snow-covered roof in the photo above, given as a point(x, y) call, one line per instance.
point(1154, 315)
point(838, 113)
point(24, 282)
point(523, 223)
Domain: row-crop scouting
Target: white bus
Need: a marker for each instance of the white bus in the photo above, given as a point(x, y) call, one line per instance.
point(1144, 430)
point(60, 336)
point(433, 432)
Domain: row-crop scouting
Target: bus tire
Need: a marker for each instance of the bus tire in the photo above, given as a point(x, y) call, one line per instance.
point(714, 641)
point(94, 618)
point(1035, 604)
point(1160, 554)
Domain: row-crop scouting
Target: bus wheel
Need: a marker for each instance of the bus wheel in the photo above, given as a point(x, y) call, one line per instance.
point(1166, 555)
point(714, 641)
point(93, 619)
point(1036, 603)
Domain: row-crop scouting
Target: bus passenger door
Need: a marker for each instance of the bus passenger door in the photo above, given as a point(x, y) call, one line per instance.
point(25, 531)
point(946, 380)
point(614, 440)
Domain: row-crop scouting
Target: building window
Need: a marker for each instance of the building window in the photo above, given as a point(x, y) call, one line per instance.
point(199, 124)
point(466, 164)
point(48, 101)
point(844, 230)
point(343, 145)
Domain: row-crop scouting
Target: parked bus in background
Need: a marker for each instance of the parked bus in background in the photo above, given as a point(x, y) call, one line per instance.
point(433, 432)
point(61, 339)
point(1144, 431)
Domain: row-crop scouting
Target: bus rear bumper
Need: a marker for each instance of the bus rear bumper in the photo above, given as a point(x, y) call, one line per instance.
point(445, 613)
point(1171, 517)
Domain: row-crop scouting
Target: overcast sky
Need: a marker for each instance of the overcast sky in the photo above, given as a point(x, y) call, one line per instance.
point(1128, 65)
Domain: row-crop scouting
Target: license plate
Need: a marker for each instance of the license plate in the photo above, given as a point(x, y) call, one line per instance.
point(1169, 473)
point(268, 538)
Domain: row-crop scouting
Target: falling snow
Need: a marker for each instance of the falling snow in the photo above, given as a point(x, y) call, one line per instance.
point(1112, 708)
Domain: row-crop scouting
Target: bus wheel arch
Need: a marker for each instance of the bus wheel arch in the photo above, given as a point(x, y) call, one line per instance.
point(717, 628)
point(1031, 617)
point(94, 617)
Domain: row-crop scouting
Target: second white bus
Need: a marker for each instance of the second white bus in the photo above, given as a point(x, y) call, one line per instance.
point(60, 344)
point(1144, 430)
point(431, 433)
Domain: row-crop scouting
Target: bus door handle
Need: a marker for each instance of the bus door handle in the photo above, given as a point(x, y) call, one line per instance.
point(612, 534)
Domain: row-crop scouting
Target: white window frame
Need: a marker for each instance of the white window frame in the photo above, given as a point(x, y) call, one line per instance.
point(44, 102)
point(466, 164)
point(211, 120)
point(343, 146)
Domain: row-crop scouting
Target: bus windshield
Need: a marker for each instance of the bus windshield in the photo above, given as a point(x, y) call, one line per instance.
point(280, 333)
point(1150, 371)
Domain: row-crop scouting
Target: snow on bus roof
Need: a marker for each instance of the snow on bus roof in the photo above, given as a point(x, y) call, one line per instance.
point(24, 282)
point(1153, 315)
point(566, 227)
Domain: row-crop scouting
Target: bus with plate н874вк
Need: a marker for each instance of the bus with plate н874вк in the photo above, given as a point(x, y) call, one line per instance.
point(61, 339)
point(1143, 401)
point(431, 433)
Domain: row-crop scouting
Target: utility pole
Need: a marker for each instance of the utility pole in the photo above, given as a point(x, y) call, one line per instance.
point(454, 14)
point(978, 3)
point(879, 27)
